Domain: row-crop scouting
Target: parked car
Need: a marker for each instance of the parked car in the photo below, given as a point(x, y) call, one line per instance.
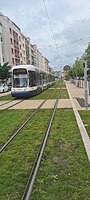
point(3, 87)
point(9, 86)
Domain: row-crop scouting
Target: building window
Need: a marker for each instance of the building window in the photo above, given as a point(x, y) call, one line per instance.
point(31, 51)
point(13, 60)
point(21, 55)
point(11, 40)
point(19, 38)
point(10, 30)
point(12, 51)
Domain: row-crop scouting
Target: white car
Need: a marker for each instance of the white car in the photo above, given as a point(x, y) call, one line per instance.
point(3, 87)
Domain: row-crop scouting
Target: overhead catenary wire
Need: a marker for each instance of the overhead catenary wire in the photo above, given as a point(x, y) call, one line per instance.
point(72, 41)
point(50, 25)
point(68, 43)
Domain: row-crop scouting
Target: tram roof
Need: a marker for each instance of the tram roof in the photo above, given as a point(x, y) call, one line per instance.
point(29, 67)
point(24, 66)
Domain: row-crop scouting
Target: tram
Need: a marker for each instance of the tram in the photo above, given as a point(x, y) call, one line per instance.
point(28, 80)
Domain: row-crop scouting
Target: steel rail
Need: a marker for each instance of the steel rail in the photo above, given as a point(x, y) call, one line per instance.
point(30, 183)
point(19, 129)
point(5, 103)
point(11, 106)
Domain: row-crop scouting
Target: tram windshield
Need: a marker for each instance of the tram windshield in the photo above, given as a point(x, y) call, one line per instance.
point(19, 78)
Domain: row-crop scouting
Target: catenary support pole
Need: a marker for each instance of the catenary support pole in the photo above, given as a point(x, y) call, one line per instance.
point(85, 85)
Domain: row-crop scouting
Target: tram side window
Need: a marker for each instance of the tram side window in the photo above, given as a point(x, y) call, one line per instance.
point(41, 78)
point(47, 79)
point(37, 78)
point(32, 79)
point(44, 78)
point(50, 78)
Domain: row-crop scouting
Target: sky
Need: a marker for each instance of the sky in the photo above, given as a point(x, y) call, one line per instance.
point(61, 29)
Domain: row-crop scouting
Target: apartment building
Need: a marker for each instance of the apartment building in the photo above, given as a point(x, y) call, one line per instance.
point(1, 53)
point(32, 56)
point(14, 43)
point(15, 48)
point(35, 50)
point(22, 46)
point(28, 50)
point(5, 51)
point(40, 64)
point(45, 64)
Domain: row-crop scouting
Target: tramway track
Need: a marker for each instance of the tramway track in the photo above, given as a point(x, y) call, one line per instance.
point(21, 127)
point(11, 105)
point(36, 164)
point(5, 103)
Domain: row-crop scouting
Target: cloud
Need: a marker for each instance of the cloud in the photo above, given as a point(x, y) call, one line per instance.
point(70, 22)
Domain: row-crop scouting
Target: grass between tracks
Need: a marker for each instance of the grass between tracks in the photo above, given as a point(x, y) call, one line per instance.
point(16, 161)
point(10, 120)
point(6, 98)
point(64, 172)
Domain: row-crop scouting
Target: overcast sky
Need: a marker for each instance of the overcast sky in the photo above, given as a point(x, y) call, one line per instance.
point(63, 37)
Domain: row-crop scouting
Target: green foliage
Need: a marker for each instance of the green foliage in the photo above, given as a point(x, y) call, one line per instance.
point(67, 75)
point(4, 71)
point(77, 69)
point(87, 57)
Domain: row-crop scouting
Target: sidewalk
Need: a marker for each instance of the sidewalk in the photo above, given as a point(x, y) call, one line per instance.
point(5, 94)
point(78, 96)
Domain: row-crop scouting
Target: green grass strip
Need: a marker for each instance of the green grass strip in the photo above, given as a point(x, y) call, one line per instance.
point(7, 97)
point(85, 115)
point(16, 161)
point(64, 172)
point(10, 120)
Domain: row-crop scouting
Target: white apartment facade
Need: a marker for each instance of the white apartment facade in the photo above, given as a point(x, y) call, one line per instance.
point(45, 64)
point(5, 55)
point(16, 49)
point(1, 52)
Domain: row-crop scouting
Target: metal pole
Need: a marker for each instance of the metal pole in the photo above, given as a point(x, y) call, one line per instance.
point(89, 85)
point(85, 85)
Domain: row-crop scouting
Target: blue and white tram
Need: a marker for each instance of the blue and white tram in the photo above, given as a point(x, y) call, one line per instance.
point(28, 80)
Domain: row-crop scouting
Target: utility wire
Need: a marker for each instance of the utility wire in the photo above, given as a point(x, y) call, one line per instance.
point(72, 41)
point(68, 43)
point(50, 25)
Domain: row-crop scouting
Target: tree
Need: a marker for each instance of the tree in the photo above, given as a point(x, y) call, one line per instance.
point(4, 71)
point(87, 58)
point(77, 69)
